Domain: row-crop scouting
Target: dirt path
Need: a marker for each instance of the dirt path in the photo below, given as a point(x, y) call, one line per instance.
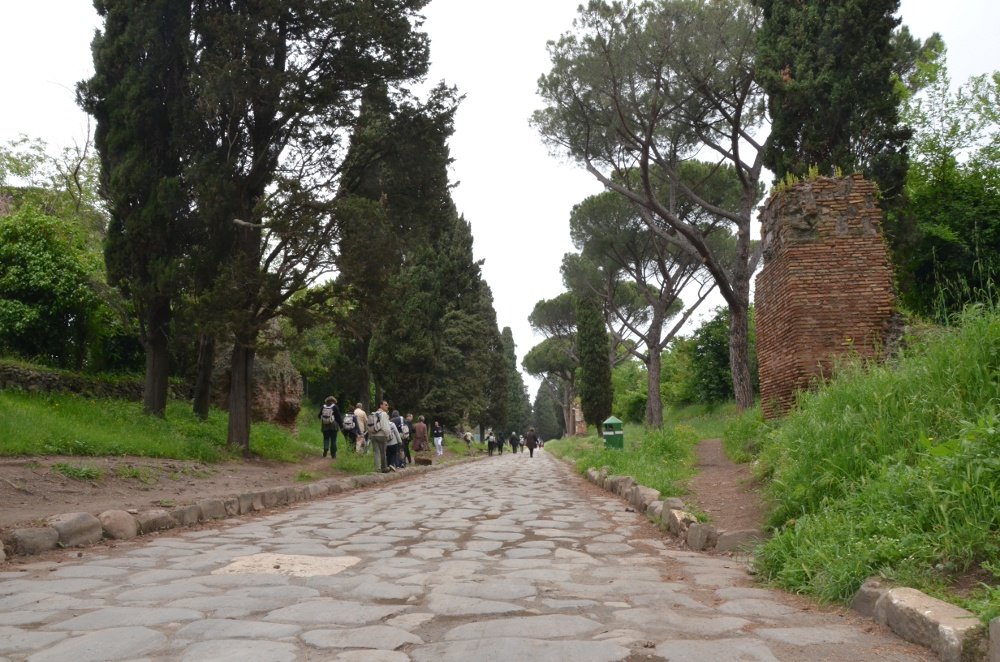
point(725, 490)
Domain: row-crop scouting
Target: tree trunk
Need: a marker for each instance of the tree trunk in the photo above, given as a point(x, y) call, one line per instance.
point(569, 420)
point(240, 388)
point(739, 355)
point(156, 345)
point(203, 378)
point(654, 403)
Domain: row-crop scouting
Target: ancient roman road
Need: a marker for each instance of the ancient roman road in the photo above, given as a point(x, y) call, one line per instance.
point(510, 558)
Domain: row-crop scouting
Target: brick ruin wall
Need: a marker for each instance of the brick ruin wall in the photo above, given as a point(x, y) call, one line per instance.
point(826, 288)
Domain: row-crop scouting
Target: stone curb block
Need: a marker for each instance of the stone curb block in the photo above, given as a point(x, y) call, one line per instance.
point(212, 509)
point(643, 496)
point(187, 515)
point(866, 597)
point(702, 536)
point(77, 529)
point(953, 633)
point(678, 522)
point(35, 540)
point(155, 520)
point(739, 540)
point(118, 524)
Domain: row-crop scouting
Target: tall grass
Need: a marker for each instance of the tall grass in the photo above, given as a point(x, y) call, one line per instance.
point(53, 424)
point(872, 417)
point(661, 459)
point(709, 421)
point(893, 470)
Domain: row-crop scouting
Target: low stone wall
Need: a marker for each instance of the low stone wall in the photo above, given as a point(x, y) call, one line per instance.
point(671, 514)
point(36, 379)
point(953, 633)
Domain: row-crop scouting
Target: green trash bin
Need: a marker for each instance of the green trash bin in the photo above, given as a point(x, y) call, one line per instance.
point(614, 436)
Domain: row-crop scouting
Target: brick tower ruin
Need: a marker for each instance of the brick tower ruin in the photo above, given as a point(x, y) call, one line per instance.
point(826, 287)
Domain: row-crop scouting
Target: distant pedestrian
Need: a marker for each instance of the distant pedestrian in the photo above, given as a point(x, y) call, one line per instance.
point(515, 443)
point(531, 441)
point(420, 435)
point(407, 434)
point(438, 433)
point(330, 421)
point(491, 443)
point(379, 434)
point(360, 429)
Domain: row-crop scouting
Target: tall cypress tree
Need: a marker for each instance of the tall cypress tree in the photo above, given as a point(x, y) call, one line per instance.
point(138, 96)
point(828, 69)
point(593, 348)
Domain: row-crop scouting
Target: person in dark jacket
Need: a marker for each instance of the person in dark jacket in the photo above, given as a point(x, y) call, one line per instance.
point(531, 441)
point(330, 419)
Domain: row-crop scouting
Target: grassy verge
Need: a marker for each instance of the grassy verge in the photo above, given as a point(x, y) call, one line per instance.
point(709, 421)
point(661, 459)
point(51, 424)
point(893, 470)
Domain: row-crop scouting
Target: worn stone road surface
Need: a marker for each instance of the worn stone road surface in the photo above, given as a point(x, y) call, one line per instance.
point(511, 558)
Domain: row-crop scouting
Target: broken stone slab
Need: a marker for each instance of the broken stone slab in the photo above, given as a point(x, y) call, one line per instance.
point(118, 524)
point(212, 509)
point(739, 540)
point(678, 522)
point(34, 540)
point(952, 632)
point(655, 511)
point(593, 476)
point(76, 529)
point(702, 536)
point(618, 484)
point(866, 597)
point(155, 520)
point(187, 515)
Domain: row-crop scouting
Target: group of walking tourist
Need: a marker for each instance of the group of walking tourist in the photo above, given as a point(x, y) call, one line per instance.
point(389, 435)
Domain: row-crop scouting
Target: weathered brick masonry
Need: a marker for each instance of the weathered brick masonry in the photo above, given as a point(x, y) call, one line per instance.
point(826, 286)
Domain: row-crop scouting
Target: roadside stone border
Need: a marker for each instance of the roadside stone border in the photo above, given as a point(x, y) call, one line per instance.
point(84, 529)
point(672, 515)
point(954, 634)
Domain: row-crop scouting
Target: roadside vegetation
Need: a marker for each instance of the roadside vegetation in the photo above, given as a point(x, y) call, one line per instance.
point(662, 459)
point(889, 470)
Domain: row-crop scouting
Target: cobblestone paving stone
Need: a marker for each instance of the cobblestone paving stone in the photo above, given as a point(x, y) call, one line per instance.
point(510, 558)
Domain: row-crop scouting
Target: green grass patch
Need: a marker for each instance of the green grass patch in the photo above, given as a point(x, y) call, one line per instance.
point(661, 459)
point(709, 421)
point(78, 472)
point(893, 471)
point(55, 424)
point(743, 433)
point(143, 475)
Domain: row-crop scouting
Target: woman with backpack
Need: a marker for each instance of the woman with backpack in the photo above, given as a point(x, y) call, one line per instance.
point(330, 418)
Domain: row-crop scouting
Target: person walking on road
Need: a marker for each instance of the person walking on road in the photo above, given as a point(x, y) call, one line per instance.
point(515, 441)
point(330, 421)
point(531, 441)
point(379, 434)
point(438, 433)
point(407, 433)
point(360, 429)
point(420, 435)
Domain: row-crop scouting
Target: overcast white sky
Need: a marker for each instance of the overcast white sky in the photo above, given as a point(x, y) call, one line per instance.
point(516, 196)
